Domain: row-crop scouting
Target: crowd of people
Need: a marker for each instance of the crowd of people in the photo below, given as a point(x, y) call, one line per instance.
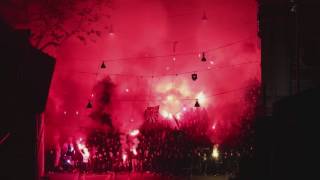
point(161, 150)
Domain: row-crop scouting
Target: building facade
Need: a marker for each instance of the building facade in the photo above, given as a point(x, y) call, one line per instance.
point(289, 48)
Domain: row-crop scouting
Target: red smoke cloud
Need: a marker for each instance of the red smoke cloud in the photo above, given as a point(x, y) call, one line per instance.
point(145, 29)
point(149, 61)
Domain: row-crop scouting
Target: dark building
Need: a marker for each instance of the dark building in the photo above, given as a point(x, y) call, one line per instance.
point(290, 45)
point(290, 51)
point(27, 75)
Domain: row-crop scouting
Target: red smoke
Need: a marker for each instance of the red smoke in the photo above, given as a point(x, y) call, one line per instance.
point(143, 29)
point(153, 39)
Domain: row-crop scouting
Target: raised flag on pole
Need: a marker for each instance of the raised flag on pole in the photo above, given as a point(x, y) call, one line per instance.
point(151, 114)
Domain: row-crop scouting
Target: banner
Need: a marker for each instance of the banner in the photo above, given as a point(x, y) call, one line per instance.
point(151, 114)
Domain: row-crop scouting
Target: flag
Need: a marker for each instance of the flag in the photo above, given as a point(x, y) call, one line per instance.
point(177, 122)
point(151, 114)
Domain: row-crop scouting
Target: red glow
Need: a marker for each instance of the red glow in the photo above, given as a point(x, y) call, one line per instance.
point(146, 70)
point(134, 151)
point(124, 157)
point(134, 132)
point(174, 58)
point(83, 150)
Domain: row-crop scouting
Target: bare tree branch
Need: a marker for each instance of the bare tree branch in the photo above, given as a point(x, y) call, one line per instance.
point(55, 44)
point(52, 22)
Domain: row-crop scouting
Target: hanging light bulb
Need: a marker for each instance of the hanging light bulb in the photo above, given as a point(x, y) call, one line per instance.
point(203, 59)
point(204, 16)
point(194, 76)
point(197, 104)
point(89, 105)
point(103, 66)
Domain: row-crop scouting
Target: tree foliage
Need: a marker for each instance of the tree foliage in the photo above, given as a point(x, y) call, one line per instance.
point(52, 22)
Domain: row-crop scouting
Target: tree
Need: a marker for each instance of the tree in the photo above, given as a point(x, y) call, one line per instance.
point(52, 22)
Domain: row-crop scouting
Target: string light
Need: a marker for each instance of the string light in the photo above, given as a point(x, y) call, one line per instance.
point(203, 58)
point(103, 66)
point(197, 104)
point(194, 76)
point(190, 53)
point(175, 74)
point(185, 99)
point(89, 105)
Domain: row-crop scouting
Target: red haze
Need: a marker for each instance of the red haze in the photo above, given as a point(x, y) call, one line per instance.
point(141, 29)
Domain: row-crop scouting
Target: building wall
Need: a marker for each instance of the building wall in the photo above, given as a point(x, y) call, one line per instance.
point(27, 75)
point(276, 29)
point(290, 45)
point(290, 48)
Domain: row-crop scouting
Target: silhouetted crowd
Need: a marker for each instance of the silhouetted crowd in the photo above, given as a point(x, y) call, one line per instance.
point(162, 150)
